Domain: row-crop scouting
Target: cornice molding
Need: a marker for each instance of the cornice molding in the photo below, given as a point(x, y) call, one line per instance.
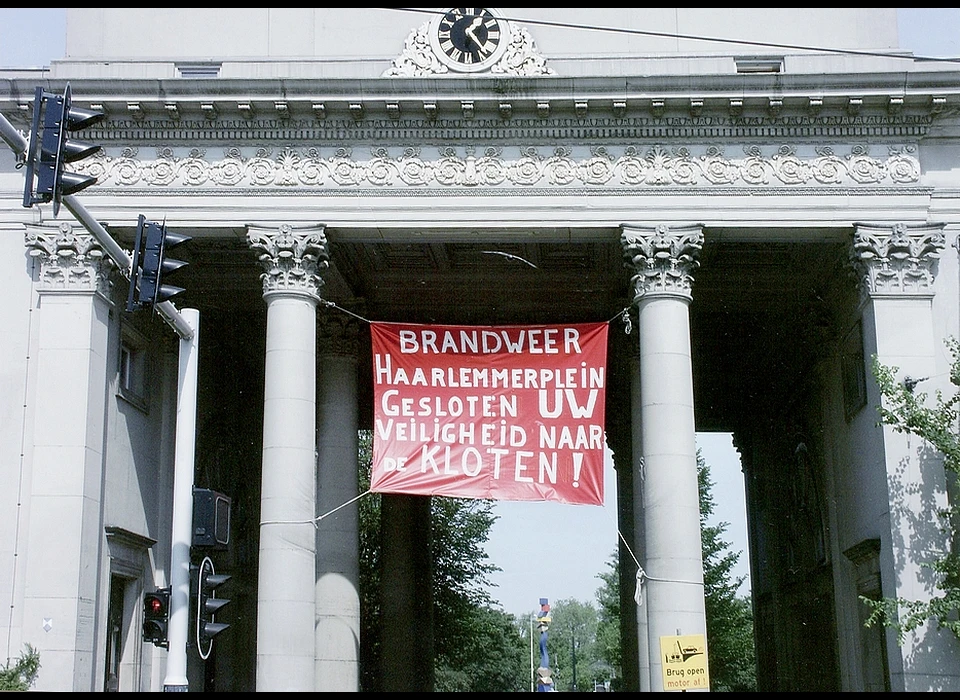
point(846, 101)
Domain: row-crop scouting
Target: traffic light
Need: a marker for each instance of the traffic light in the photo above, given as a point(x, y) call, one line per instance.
point(208, 605)
point(58, 118)
point(211, 519)
point(156, 616)
point(150, 265)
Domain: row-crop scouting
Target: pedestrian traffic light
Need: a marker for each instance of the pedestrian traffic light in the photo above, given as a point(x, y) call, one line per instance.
point(54, 117)
point(150, 266)
point(156, 616)
point(208, 605)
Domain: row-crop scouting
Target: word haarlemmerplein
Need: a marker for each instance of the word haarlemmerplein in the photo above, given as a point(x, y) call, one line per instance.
point(499, 412)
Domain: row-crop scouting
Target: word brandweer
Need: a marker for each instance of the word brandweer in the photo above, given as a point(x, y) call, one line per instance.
point(534, 341)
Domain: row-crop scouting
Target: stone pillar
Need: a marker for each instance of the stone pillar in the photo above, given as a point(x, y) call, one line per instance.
point(64, 531)
point(292, 260)
point(406, 594)
point(622, 404)
point(896, 267)
point(663, 260)
point(639, 537)
point(338, 533)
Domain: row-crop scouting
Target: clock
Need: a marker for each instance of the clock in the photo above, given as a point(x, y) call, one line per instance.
point(469, 39)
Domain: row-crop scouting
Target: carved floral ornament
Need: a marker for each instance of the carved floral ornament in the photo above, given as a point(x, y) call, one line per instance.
point(897, 260)
point(418, 58)
point(70, 260)
point(292, 259)
point(662, 259)
point(650, 166)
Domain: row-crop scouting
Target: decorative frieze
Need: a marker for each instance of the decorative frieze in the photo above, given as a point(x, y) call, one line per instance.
point(897, 260)
point(70, 261)
point(662, 259)
point(652, 166)
point(292, 259)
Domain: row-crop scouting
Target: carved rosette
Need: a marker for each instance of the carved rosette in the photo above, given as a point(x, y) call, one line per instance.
point(663, 259)
point(292, 259)
point(70, 262)
point(897, 260)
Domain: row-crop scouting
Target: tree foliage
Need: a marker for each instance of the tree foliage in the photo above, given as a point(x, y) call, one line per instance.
point(572, 646)
point(729, 616)
point(730, 643)
point(609, 649)
point(21, 674)
point(477, 647)
point(906, 411)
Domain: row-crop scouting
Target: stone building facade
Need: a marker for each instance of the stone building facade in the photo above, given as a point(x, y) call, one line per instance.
point(757, 219)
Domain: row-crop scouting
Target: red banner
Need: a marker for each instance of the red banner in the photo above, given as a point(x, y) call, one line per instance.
point(502, 412)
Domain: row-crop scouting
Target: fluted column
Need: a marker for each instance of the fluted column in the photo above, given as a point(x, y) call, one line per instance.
point(292, 259)
point(338, 533)
point(663, 260)
point(66, 466)
point(896, 266)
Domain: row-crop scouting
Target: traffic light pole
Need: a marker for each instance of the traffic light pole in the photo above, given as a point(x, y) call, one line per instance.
point(182, 534)
point(166, 309)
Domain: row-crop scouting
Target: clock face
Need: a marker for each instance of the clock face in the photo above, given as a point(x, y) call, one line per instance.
point(469, 39)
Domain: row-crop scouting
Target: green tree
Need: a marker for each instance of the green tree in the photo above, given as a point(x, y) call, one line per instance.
point(908, 412)
point(572, 646)
point(729, 616)
point(730, 643)
point(477, 647)
point(21, 674)
point(609, 649)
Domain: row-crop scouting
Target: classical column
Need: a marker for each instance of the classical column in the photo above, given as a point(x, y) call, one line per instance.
point(896, 267)
point(621, 428)
point(663, 260)
point(292, 259)
point(338, 533)
point(65, 476)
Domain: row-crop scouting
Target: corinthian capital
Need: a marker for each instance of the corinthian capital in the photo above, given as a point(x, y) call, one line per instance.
point(662, 259)
point(292, 259)
point(898, 259)
point(71, 261)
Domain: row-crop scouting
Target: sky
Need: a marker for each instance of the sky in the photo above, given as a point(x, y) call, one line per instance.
point(544, 550)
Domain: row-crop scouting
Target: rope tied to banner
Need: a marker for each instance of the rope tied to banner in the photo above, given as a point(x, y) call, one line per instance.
point(623, 315)
point(642, 575)
point(316, 521)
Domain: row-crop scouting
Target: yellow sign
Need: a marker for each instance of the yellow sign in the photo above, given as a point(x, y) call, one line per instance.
point(684, 662)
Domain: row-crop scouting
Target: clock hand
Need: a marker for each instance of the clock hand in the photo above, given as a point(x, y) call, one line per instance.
point(477, 21)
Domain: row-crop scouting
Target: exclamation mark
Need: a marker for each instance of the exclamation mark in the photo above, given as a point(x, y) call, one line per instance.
point(577, 466)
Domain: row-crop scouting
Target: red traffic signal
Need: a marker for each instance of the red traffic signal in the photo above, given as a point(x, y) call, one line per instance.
point(156, 616)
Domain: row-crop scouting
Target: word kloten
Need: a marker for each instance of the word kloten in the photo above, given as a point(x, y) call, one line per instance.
point(506, 412)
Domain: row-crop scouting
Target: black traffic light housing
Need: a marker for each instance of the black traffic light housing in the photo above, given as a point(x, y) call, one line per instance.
point(156, 616)
point(150, 265)
point(207, 606)
point(211, 519)
point(49, 149)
